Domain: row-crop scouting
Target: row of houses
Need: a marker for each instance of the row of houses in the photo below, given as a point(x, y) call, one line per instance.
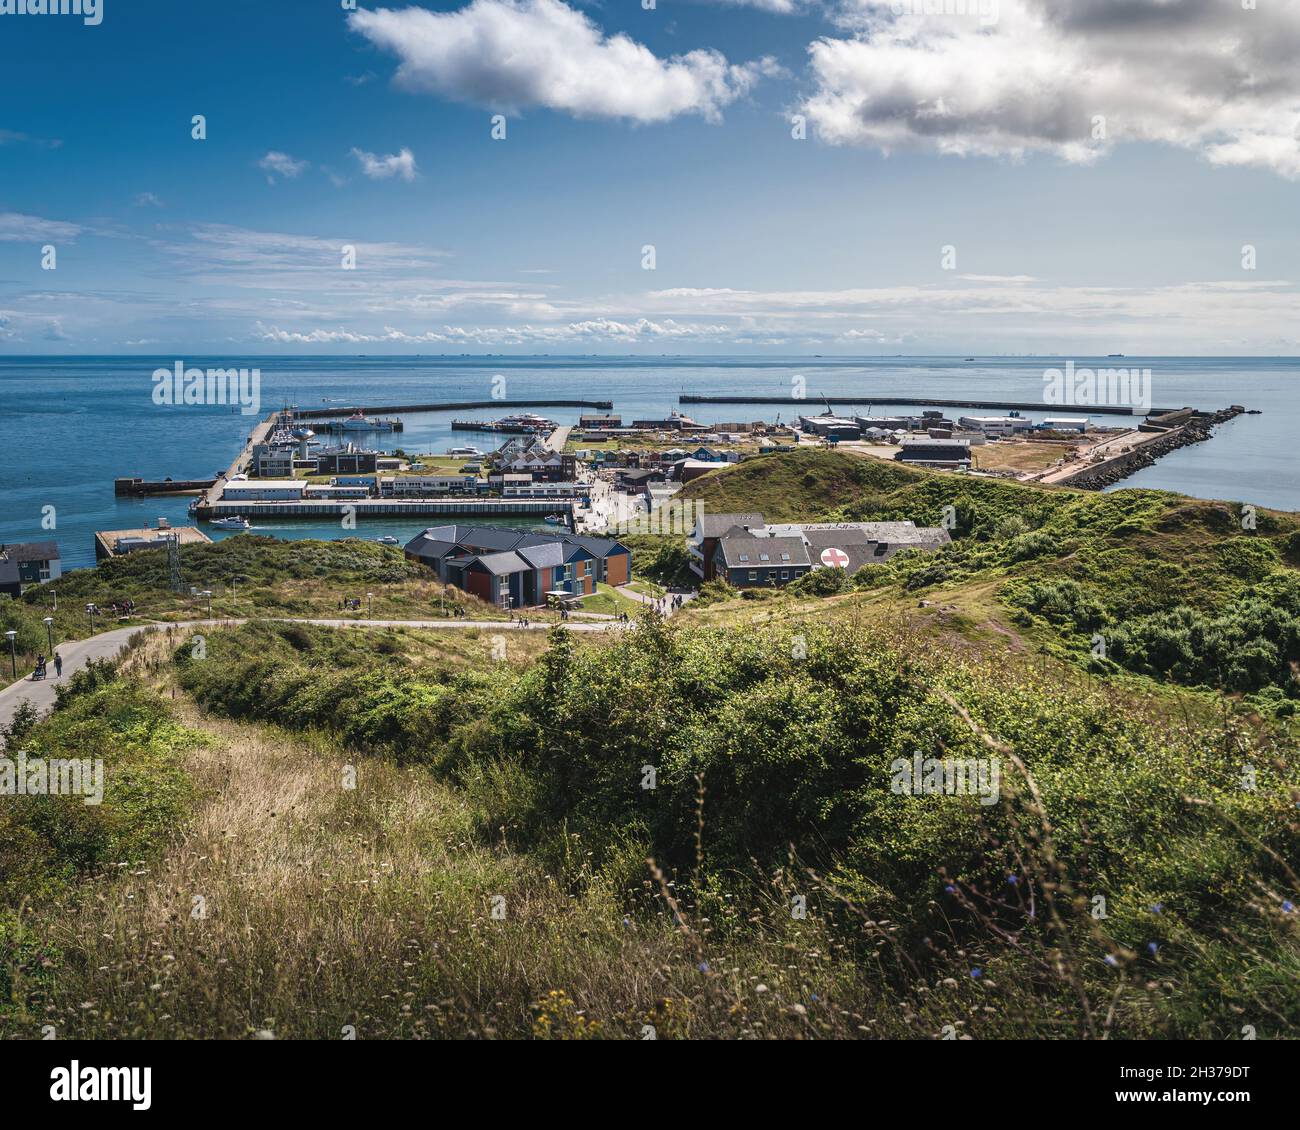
point(747, 551)
point(518, 568)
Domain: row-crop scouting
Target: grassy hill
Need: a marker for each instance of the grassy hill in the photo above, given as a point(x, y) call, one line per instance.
point(1189, 591)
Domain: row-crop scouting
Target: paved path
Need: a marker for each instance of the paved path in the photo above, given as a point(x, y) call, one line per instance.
point(76, 654)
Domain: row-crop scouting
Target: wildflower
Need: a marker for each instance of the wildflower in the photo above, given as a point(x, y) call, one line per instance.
point(1152, 947)
point(1111, 960)
point(976, 972)
point(704, 966)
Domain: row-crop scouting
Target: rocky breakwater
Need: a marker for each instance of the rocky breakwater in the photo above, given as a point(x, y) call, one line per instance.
point(1196, 430)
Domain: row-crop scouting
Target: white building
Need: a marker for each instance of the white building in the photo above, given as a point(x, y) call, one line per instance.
point(264, 490)
point(1065, 424)
point(996, 425)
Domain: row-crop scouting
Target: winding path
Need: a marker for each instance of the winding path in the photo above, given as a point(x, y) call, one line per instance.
point(76, 654)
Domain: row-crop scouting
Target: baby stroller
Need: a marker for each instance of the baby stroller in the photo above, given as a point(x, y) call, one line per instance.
point(39, 673)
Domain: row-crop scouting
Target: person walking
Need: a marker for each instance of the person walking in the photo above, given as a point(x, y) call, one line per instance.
point(58, 666)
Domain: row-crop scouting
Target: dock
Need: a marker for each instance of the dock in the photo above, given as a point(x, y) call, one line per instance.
point(877, 398)
point(137, 486)
point(364, 508)
point(147, 537)
point(307, 416)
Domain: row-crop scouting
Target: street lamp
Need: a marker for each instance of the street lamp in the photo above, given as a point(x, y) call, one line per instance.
point(90, 611)
point(208, 594)
point(13, 655)
point(55, 593)
point(49, 632)
point(370, 606)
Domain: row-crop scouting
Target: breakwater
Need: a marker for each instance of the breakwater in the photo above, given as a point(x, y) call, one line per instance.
point(912, 401)
point(308, 415)
point(1120, 467)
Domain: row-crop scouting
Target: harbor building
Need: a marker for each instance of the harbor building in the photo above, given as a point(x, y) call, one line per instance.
point(950, 454)
point(263, 490)
point(996, 425)
point(1065, 424)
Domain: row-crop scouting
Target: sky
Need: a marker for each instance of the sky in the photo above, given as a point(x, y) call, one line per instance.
point(836, 177)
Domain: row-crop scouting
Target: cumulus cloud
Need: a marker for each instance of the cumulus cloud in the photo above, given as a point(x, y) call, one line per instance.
point(512, 54)
point(277, 164)
point(1067, 77)
point(383, 168)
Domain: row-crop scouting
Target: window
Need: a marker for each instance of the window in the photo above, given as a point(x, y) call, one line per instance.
point(744, 556)
point(764, 557)
point(753, 575)
point(785, 574)
point(785, 557)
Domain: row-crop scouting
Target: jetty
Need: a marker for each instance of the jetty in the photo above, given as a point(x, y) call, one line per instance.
point(877, 398)
point(137, 486)
point(363, 508)
point(457, 406)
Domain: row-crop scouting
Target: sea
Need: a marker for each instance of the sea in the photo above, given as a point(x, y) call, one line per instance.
point(70, 425)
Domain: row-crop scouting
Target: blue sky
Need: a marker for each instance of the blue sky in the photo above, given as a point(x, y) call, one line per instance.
point(925, 128)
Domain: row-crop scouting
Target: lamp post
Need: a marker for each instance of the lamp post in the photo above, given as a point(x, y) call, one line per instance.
point(55, 593)
point(90, 611)
point(49, 632)
point(370, 606)
point(208, 594)
point(13, 655)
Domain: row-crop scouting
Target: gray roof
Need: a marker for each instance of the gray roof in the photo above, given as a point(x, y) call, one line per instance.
point(597, 547)
point(763, 553)
point(500, 564)
point(715, 525)
point(32, 550)
point(543, 556)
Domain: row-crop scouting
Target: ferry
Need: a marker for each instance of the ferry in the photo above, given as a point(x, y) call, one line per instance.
point(358, 422)
point(233, 523)
point(524, 423)
point(474, 451)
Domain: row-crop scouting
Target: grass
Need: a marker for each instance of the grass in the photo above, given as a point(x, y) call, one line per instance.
point(249, 575)
point(608, 600)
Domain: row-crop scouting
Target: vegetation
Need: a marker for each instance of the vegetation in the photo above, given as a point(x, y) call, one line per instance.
point(1177, 588)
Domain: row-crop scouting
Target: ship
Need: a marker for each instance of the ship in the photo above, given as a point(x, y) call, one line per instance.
point(234, 522)
point(524, 423)
point(359, 422)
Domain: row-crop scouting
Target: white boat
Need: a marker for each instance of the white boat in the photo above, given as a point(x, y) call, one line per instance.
point(233, 523)
point(387, 539)
point(553, 519)
point(466, 451)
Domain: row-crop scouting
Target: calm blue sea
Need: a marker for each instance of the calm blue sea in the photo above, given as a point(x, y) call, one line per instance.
point(69, 426)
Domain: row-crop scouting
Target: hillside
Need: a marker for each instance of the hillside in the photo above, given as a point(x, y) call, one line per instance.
point(1188, 591)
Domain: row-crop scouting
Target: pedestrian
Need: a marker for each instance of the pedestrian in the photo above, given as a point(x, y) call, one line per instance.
point(58, 665)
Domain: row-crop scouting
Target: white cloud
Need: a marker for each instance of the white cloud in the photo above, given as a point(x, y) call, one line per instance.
point(15, 227)
point(147, 200)
point(511, 54)
point(1035, 75)
point(382, 168)
point(277, 164)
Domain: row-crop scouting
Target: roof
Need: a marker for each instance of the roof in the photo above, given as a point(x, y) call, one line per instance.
point(31, 550)
point(597, 547)
point(763, 553)
point(499, 564)
point(544, 556)
point(715, 525)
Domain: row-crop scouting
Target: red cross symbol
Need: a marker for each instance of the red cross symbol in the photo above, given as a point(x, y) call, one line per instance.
point(835, 558)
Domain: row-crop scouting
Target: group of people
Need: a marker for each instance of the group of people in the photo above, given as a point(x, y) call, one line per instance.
point(350, 604)
point(39, 673)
